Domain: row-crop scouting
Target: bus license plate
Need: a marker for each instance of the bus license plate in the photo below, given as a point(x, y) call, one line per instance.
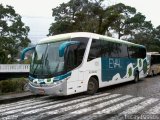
point(41, 91)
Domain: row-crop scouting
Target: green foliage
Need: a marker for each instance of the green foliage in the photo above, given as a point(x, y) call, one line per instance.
point(12, 85)
point(117, 20)
point(149, 37)
point(123, 23)
point(157, 33)
point(13, 34)
point(79, 15)
point(130, 71)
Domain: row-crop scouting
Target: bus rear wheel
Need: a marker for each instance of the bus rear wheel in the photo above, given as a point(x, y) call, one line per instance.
point(92, 86)
point(152, 73)
point(136, 77)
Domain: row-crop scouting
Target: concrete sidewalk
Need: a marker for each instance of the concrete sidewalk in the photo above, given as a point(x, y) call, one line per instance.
point(15, 97)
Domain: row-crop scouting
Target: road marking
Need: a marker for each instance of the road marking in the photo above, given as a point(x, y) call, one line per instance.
point(22, 106)
point(140, 106)
point(67, 103)
point(95, 106)
point(28, 107)
point(134, 109)
point(110, 109)
point(88, 109)
point(61, 104)
point(22, 102)
point(154, 110)
point(75, 106)
point(15, 103)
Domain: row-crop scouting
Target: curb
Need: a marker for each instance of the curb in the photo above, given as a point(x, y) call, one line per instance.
point(15, 97)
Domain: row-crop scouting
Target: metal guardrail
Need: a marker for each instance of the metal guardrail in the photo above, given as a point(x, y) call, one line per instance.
point(17, 68)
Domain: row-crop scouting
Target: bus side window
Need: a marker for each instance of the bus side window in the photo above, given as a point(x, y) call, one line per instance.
point(116, 49)
point(81, 48)
point(153, 59)
point(142, 52)
point(110, 49)
point(123, 51)
point(95, 50)
point(105, 48)
point(132, 52)
point(80, 53)
point(71, 57)
point(136, 52)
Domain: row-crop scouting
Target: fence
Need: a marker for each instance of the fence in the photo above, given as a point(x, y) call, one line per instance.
point(14, 68)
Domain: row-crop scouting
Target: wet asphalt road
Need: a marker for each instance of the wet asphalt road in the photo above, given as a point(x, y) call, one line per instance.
point(146, 87)
point(119, 102)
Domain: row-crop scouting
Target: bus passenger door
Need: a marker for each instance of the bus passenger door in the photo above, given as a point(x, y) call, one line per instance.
point(72, 63)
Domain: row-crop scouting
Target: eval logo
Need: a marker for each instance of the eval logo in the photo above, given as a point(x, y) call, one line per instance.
point(114, 63)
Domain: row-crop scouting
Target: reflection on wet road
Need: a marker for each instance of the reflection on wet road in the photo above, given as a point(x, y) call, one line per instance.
point(115, 102)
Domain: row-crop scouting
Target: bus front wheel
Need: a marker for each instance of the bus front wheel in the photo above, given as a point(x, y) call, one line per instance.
point(92, 86)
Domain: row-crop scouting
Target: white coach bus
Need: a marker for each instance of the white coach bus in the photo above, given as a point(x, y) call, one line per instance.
point(153, 59)
point(71, 63)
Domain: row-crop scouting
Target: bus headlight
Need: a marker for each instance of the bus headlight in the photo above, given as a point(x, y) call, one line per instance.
point(58, 82)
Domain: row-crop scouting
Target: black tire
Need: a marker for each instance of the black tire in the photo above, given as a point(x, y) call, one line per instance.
point(152, 73)
point(92, 86)
point(136, 77)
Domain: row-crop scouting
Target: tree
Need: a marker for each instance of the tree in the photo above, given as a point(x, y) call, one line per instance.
point(156, 32)
point(128, 21)
point(93, 16)
point(13, 34)
point(78, 15)
point(121, 24)
point(148, 36)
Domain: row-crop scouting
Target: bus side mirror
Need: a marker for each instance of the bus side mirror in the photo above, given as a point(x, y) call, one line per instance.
point(25, 51)
point(64, 45)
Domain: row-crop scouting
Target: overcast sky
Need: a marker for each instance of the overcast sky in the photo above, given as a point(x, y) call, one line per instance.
point(37, 14)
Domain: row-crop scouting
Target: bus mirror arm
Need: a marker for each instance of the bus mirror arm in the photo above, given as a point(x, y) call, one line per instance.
point(64, 45)
point(25, 51)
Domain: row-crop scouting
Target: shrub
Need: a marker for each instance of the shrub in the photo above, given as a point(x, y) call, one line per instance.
point(12, 85)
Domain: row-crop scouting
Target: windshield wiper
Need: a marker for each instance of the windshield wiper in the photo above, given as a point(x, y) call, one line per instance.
point(38, 65)
point(46, 62)
point(56, 69)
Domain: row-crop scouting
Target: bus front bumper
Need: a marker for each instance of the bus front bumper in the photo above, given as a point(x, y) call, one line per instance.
point(52, 89)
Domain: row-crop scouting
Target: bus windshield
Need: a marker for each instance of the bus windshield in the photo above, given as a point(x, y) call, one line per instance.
point(46, 60)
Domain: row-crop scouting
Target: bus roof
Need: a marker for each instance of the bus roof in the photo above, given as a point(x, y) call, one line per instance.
point(153, 53)
point(65, 36)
